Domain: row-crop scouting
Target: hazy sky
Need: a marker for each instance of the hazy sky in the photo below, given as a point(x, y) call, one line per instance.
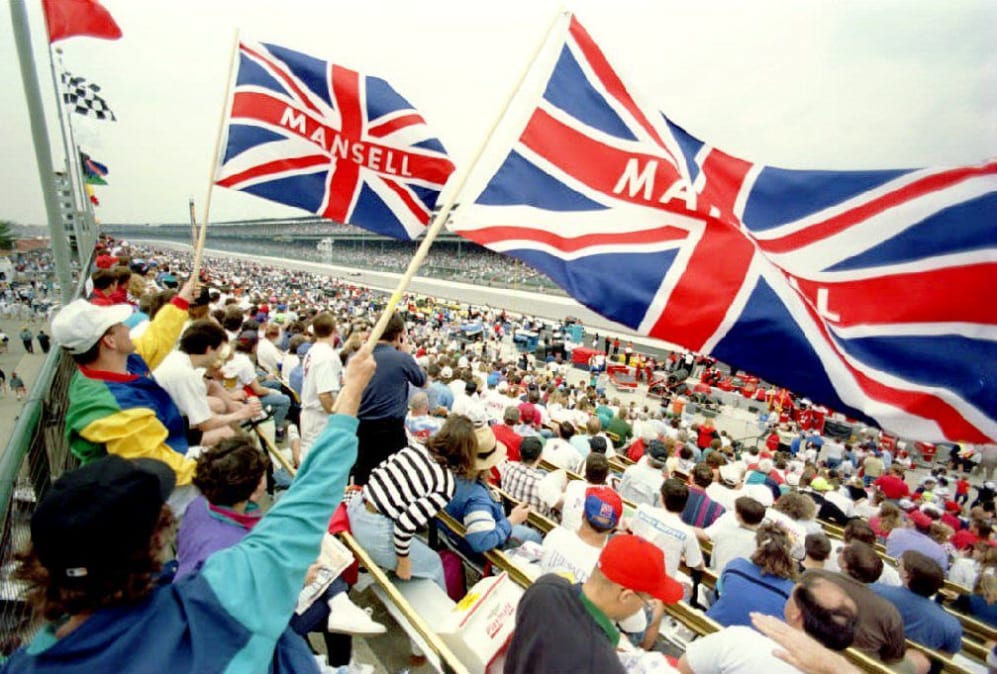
point(822, 84)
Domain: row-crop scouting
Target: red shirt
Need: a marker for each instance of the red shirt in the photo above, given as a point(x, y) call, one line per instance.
point(962, 486)
point(773, 442)
point(892, 487)
point(99, 299)
point(509, 438)
point(705, 435)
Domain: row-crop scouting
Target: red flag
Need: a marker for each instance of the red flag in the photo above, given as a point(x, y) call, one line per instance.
point(69, 18)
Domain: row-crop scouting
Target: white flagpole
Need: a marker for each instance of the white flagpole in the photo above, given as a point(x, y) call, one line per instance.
point(460, 179)
point(226, 104)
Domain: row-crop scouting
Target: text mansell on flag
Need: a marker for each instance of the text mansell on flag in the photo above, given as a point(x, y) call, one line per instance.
point(346, 146)
point(83, 98)
point(70, 18)
point(867, 291)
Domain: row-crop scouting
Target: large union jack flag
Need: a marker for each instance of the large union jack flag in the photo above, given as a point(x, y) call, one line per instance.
point(308, 133)
point(868, 291)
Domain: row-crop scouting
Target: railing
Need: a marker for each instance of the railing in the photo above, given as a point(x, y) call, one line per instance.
point(36, 455)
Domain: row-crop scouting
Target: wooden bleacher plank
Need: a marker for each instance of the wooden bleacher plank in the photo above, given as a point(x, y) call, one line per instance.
point(450, 662)
point(497, 557)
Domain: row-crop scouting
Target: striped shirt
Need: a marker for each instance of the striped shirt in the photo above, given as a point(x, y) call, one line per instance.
point(410, 487)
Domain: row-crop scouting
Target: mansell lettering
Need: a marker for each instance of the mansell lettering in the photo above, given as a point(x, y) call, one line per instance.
point(375, 157)
point(639, 181)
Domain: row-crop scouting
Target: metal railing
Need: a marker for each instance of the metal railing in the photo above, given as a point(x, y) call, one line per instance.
point(36, 455)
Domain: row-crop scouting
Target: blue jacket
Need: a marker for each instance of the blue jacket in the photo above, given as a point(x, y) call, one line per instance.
point(229, 616)
point(483, 517)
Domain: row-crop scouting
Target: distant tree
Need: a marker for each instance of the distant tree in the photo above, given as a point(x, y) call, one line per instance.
point(7, 240)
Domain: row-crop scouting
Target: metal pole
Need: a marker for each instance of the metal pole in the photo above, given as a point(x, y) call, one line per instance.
point(71, 170)
point(43, 151)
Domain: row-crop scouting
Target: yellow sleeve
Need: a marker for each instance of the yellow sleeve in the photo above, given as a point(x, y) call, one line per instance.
point(161, 336)
point(138, 433)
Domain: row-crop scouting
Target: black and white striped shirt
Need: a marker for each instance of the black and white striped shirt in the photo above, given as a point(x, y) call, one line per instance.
point(410, 488)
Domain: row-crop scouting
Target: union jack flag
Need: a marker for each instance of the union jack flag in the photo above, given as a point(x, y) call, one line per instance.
point(315, 135)
point(867, 291)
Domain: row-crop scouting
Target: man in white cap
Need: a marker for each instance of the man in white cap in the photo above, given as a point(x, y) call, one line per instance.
point(116, 407)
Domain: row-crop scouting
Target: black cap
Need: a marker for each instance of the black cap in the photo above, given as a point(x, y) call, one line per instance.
point(203, 299)
point(657, 450)
point(93, 518)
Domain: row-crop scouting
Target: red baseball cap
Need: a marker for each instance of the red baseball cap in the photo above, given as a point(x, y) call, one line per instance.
point(639, 565)
point(921, 520)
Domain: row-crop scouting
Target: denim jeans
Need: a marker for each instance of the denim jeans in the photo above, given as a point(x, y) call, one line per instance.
point(280, 403)
point(315, 619)
point(375, 533)
point(521, 534)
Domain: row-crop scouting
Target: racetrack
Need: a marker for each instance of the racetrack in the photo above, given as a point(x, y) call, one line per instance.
point(553, 307)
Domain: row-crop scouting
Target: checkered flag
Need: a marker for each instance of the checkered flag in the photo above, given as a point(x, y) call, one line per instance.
point(82, 97)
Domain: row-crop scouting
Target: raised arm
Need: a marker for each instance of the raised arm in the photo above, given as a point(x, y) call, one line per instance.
point(258, 580)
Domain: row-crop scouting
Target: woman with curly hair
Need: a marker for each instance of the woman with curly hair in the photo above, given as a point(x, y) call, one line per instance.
point(232, 478)
point(761, 584)
point(890, 517)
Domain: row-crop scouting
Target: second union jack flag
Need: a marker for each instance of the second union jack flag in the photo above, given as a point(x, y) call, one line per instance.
point(868, 291)
point(346, 146)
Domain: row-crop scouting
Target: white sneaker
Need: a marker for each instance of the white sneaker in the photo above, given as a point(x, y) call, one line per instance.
point(358, 668)
point(345, 617)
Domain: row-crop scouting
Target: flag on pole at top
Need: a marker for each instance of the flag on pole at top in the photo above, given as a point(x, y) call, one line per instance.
point(83, 98)
point(866, 291)
point(91, 194)
point(71, 18)
point(312, 134)
point(93, 171)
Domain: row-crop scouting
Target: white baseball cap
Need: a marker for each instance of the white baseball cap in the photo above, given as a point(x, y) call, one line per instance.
point(81, 324)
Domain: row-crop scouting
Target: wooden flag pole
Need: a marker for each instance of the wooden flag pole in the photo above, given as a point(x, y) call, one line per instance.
point(285, 464)
point(227, 102)
point(444, 212)
point(193, 222)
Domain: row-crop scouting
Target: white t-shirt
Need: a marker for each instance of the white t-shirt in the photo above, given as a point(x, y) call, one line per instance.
point(730, 541)
point(495, 404)
point(268, 356)
point(186, 386)
point(735, 650)
point(241, 369)
point(641, 483)
point(561, 453)
point(797, 530)
point(564, 550)
point(322, 370)
point(574, 504)
point(673, 536)
point(725, 496)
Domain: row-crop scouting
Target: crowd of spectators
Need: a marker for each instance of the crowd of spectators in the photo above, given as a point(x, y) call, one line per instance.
point(427, 421)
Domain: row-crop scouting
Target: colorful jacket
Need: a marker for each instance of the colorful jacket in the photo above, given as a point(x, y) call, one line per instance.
point(229, 615)
point(131, 415)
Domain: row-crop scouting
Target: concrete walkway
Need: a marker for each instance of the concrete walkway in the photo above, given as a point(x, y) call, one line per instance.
point(27, 365)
